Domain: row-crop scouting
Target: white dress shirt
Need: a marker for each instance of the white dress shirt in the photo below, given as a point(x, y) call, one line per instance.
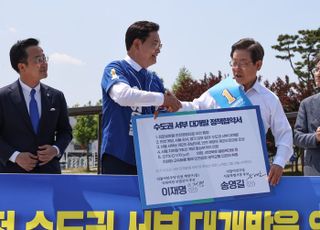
point(205, 101)
point(124, 95)
point(272, 114)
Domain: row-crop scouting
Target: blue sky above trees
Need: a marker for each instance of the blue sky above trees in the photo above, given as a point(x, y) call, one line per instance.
point(82, 36)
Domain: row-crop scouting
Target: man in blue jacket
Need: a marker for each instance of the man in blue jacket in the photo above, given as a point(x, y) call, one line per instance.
point(129, 89)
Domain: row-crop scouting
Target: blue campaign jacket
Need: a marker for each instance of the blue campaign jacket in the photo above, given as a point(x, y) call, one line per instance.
point(117, 138)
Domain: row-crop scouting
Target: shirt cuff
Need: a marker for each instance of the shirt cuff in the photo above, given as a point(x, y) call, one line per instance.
point(159, 99)
point(14, 156)
point(58, 150)
point(280, 162)
point(283, 155)
point(187, 106)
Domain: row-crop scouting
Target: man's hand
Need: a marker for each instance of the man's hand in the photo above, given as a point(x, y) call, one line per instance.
point(171, 102)
point(318, 134)
point(27, 161)
point(275, 174)
point(46, 153)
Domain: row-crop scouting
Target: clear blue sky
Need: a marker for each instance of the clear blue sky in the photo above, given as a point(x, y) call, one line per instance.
point(82, 36)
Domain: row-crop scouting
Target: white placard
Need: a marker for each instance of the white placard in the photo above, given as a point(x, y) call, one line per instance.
point(186, 157)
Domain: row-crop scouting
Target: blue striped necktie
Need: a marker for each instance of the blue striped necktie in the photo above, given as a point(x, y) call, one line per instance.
point(143, 77)
point(33, 110)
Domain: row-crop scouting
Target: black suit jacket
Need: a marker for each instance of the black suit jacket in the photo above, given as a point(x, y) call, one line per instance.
point(16, 132)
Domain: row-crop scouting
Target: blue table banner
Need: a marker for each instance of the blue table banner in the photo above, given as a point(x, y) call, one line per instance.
point(112, 202)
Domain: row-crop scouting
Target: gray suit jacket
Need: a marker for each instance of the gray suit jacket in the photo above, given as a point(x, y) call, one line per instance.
point(308, 120)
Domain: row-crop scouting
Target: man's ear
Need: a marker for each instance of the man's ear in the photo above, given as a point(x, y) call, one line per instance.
point(259, 64)
point(21, 67)
point(137, 43)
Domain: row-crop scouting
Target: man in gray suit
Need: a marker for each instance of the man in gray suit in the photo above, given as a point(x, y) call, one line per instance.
point(307, 128)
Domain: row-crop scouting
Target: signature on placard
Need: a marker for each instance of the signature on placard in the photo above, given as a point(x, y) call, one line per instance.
point(258, 174)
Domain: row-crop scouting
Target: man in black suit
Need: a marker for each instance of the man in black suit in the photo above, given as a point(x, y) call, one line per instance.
point(34, 123)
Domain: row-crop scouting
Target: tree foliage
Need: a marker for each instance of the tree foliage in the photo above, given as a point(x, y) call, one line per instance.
point(300, 50)
point(186, 88)
point(287, 93)
point(86, 131)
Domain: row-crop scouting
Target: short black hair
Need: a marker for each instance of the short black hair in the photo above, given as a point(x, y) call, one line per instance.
point(255, 48)
point(18, 52)
point(140, 30)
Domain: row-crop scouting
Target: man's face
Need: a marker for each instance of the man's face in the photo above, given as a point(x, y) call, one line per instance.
point(244, 70)
point(36, 67)
point(316, 74)
point(149, 50)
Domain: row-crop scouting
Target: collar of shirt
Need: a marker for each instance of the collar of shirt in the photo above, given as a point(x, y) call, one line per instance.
point(132, 63)
point(26, 94)
point(28, 88)
point(256, 87)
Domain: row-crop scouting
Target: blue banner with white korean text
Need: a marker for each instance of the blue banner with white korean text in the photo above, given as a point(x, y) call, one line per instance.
point(113, 202)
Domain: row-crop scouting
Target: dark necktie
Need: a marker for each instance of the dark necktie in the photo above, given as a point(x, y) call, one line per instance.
point(33, 110)
point(143, 77)
point(143, 71)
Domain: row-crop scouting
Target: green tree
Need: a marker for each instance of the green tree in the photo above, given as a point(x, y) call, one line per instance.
point(184, 85)
point(187, 89)
point(183, 75)
point(86, 131)
point(300, 49)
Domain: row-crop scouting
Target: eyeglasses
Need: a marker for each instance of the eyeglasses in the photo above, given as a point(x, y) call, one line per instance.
point(240, 64)
point(41, 59)
point(157, 45)
point(315, 70)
